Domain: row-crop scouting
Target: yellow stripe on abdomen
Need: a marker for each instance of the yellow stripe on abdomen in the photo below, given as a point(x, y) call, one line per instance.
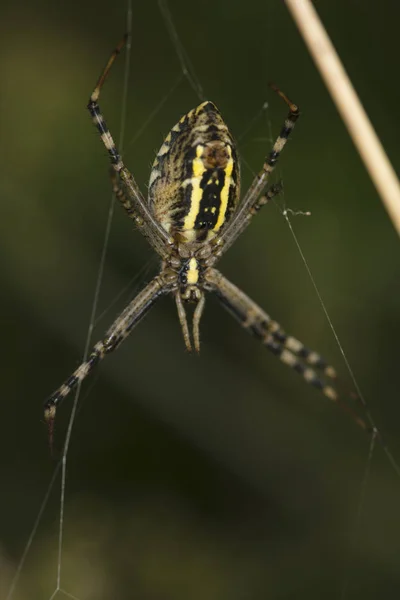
point(197, 192)
point(225, 192)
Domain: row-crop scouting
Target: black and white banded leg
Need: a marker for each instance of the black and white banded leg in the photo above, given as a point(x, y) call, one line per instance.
point(254, 199)
point(290, 351)
point(150, 227)
point(118, 331)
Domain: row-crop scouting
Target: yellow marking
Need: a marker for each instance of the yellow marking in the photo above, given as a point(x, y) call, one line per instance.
point(193, 272)
point(330, 393)
point(190, 235)
point(198, 166)
point(201, 128)
point(168, 138)
point(313, 358)
point(107, 140)
point(293, 344)
point(279, 144)
point(309, 375)
point(225, 191)
point(155, 174)
point(197, 193)
point(288, 358)
point(213, 209)
point(64, 390)
point(251, 318)
point(330, 372)
point(50, 413)
point(163, 150)
point(166, 223)
point(201, 106)
point(273, 326)
point(155, 163)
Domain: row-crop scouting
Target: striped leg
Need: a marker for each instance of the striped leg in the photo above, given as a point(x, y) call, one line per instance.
point(290, 351)
point(123, 199)
point(183, 321)
point(251, 202)
point(196, 322)
point(118, 331)
point(152, 230)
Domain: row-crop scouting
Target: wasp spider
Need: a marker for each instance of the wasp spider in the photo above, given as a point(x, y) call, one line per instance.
point(191, 217)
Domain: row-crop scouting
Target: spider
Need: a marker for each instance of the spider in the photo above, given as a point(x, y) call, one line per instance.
point(191, 218)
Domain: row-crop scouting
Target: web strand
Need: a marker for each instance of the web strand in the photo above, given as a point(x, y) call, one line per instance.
point(357, 520)
point(96, 296)
point(185, 62)
point(33, 533)
point(156, 110)
point(375, 433)
point(360, 395)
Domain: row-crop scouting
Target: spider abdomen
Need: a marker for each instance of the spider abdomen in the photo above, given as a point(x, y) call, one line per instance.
point(194, 182)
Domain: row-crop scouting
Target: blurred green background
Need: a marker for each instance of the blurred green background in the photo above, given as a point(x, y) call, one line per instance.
point(222, 476)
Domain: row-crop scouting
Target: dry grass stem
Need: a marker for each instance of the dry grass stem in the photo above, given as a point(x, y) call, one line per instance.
point(348, 105)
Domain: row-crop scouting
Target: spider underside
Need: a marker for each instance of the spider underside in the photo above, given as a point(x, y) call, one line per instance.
point(191, 218)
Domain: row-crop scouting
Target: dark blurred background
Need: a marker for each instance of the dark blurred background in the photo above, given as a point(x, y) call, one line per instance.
point(222, 476)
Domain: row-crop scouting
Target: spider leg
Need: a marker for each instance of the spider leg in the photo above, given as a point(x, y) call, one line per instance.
point(290, 350)
point(251, 201)
point(125, 201)
point(123, 198)
point(183, 321)
point(152, 230)
point(196, 322)
point(118, 331)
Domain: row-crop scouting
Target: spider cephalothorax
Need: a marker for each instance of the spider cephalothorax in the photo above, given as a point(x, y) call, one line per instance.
point(192, 216)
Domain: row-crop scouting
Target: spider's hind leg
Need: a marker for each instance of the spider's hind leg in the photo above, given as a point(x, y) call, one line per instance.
point(291, 351)
point(118, 331)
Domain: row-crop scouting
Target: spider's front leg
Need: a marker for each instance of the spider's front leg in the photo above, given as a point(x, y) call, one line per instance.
point(133, 200)
point(118, 331)
point(254, 198)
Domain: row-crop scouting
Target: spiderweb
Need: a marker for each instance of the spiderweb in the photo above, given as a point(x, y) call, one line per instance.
point(95, 584)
